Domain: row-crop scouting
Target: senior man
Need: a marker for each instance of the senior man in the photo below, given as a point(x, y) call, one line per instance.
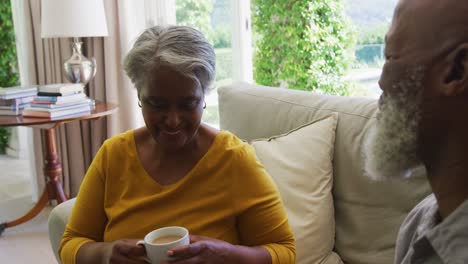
point(423, 124)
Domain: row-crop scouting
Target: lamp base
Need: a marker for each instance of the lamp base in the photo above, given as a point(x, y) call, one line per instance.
point(78, 68)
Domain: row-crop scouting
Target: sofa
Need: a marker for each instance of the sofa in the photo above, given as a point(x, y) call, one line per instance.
point(366, 213)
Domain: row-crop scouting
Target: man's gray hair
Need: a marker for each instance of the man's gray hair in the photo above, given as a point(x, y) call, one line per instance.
point(183, 49)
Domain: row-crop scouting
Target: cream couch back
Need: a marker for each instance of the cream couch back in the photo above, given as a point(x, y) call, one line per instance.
point(367, 213)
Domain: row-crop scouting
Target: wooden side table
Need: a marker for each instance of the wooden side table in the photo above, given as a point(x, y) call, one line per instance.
point(52, 165)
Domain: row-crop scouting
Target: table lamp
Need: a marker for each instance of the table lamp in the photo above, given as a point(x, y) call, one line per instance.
point(74, 19)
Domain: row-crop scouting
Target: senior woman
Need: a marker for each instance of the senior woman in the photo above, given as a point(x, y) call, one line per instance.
point(176, 171)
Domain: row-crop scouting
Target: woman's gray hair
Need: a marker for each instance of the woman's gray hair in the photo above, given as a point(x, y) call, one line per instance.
point(183, 49)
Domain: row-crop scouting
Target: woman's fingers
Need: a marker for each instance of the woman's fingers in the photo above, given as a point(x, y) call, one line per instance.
point(127, 251)
point(129, 248)
point(187, 251)
point(195, 238)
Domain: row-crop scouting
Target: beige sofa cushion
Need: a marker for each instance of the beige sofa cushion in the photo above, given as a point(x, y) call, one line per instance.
point(367, 213)
point(300, 163)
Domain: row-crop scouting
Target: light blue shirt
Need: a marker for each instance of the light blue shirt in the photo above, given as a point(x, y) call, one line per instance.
point(425, 238)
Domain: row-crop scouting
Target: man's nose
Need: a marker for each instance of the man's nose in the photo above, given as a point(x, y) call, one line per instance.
point(173, 119)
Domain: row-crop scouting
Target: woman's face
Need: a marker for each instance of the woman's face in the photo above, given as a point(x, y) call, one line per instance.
point(172, 107)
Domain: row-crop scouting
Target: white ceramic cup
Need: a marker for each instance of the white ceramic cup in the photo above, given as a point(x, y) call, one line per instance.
point(157, 253)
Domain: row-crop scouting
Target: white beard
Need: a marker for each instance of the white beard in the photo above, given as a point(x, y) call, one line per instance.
point(390, 148)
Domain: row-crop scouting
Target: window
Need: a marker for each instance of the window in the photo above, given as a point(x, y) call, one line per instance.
point(310, 45)
point(219, 21)
point(371, 20)
point(226, 24)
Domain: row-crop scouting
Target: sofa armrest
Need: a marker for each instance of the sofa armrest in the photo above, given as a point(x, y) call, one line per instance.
point(58, 219)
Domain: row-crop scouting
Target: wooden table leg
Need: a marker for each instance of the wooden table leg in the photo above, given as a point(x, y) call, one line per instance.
point(53, 168)
point(29, 215)
point(53, 189)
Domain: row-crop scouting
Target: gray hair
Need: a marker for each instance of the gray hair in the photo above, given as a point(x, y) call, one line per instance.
point(183, 49)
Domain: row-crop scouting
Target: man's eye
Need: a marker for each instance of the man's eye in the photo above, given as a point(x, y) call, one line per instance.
point(154, 105)
point(190, 105)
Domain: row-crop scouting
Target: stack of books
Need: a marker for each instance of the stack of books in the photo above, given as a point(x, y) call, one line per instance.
point(60, 100)
point(13, 100)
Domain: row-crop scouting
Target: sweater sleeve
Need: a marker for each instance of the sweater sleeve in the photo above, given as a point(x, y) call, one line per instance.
point(88, 219)
point(262, 219)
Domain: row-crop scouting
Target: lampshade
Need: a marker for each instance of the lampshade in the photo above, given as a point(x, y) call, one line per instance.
point(73, 18)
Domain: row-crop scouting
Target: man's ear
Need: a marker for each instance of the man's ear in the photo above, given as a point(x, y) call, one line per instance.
point(456, 73)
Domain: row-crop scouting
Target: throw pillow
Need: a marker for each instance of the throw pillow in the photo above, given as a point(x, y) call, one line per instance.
point(300, 163)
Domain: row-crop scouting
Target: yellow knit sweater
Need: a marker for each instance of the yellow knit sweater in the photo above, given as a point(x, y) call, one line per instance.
point(228, 195)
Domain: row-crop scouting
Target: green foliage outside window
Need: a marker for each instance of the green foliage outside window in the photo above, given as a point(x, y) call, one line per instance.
point(197, 14)
point(370, 46)
point(302, 44)
point(5, 134)
point(373, 35)
point(222, 37)
point(8, 60)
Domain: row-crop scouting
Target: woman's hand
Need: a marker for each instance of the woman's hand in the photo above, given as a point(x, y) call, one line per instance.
point(125, 251)
point(203, 250)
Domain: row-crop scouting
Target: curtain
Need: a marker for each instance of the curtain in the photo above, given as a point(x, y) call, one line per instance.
point(40, 62)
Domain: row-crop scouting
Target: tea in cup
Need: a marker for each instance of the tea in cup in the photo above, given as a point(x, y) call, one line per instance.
point(161, 240)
